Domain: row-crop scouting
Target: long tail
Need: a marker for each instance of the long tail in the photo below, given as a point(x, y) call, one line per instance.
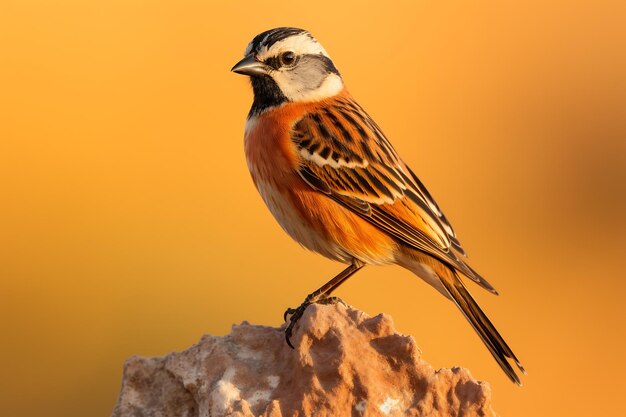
point(482, 325)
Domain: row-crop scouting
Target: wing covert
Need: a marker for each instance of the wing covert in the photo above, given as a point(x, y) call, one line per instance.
point(344, 154)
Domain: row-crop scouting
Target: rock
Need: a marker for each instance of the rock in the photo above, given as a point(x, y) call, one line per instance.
point(345, 364)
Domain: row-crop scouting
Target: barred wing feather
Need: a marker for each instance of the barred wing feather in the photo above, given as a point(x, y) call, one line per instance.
point(345, 155)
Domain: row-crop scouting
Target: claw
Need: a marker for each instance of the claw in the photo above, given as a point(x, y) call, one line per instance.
point(288, 312)
point(288, 336)
point(296, 314)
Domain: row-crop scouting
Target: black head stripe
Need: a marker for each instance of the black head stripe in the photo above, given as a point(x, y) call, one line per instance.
point(328, 64)
point(270, 37)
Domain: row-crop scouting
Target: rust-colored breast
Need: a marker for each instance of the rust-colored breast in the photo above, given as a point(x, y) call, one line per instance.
point(308, 216)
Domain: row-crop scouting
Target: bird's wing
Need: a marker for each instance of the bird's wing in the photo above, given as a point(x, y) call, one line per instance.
point(344, 154)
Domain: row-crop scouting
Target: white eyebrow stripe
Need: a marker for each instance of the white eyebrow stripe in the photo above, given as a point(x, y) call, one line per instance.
point(302, 44)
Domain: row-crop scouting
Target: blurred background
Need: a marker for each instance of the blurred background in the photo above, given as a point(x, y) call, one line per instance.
point(129, 224)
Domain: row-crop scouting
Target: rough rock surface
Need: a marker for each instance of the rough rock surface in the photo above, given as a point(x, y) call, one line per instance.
point(345, 364)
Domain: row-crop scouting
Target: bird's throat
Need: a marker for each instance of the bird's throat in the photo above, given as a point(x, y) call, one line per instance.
point(266, 94)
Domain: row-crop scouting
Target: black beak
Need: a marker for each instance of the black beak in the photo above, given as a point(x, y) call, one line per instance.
point(250, 66)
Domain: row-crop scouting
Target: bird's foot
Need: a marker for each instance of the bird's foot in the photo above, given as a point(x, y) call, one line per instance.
point(294, 314)
point(332, 301)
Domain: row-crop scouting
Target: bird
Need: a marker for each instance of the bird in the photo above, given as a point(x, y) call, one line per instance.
point(336, 185)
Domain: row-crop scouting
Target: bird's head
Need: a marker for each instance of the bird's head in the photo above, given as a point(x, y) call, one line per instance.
point(288, 64)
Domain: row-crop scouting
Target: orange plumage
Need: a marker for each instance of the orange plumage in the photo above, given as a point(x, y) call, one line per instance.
point(335, 231)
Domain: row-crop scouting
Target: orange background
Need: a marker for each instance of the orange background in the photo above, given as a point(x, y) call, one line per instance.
point(129, 224)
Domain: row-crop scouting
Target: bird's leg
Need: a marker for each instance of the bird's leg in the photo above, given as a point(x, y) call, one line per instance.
point(322, 295)
point(323, 292)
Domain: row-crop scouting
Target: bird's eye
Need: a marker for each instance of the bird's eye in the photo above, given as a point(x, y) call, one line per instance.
point(287, 59)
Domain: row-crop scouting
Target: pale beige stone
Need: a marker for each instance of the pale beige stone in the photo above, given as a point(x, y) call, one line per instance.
point(345, 364)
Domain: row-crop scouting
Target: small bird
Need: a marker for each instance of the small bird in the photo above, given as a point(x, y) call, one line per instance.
point(336, 185)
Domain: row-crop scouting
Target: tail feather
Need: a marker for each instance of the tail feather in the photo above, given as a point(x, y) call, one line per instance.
point(477, 278)
point(482, 325)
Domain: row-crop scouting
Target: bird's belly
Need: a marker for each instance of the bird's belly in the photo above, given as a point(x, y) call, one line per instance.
point(322, 225)
point(289, 218)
